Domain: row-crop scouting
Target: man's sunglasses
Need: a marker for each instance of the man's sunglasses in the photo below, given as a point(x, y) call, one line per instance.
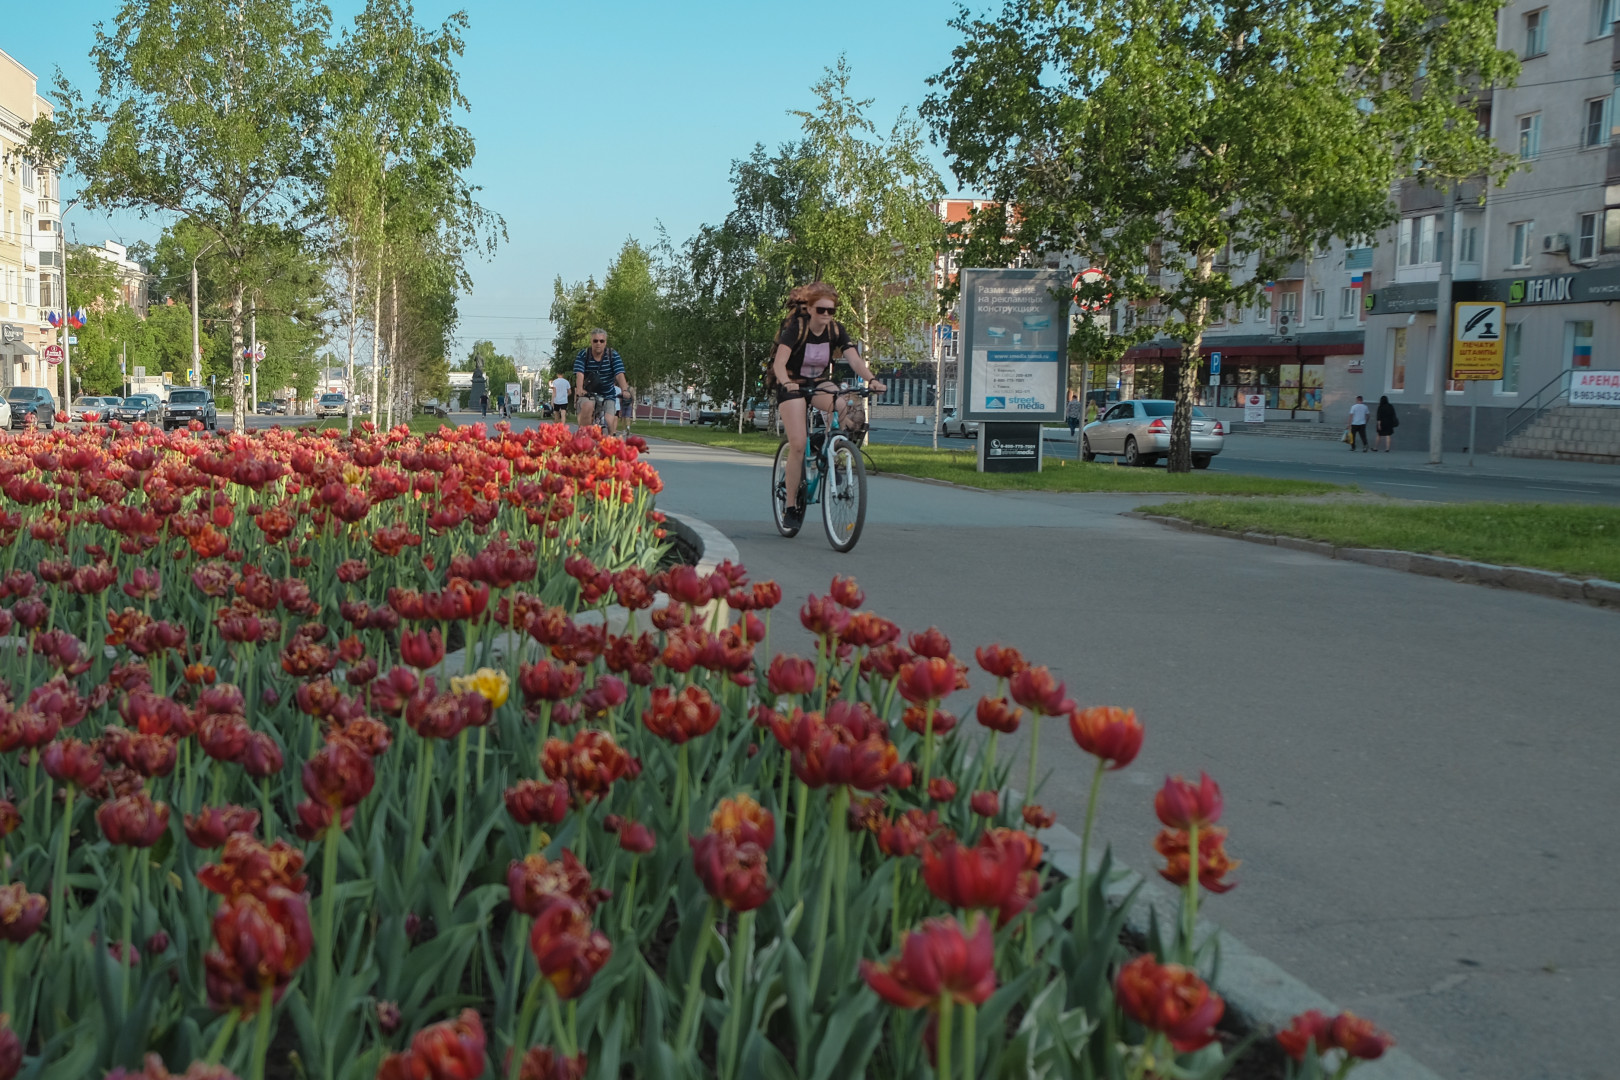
point(825, 310)
point(599, 341)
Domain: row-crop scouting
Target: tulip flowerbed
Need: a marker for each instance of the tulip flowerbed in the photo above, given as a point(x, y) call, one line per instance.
point(256, 822)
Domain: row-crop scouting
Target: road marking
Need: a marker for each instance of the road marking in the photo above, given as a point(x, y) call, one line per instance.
point(1395, 483)
point(1577, 491)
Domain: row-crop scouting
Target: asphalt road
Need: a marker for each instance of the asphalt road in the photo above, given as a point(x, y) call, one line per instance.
point(1418, 774)
point(1403, 474)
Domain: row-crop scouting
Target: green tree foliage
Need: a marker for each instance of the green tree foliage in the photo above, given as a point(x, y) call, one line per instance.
point(226, 139)
point(1150, 137)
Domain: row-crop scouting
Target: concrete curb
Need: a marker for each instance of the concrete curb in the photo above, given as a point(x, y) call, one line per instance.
point(1593, 591)
point(1263, 994)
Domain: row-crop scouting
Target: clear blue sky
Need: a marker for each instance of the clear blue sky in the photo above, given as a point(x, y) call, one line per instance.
point(597, 121)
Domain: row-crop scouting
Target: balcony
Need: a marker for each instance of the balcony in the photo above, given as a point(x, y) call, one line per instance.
point(30, 258)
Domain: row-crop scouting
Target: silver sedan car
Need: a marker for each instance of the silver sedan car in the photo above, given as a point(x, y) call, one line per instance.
point(1139, 432)
point(951, 423)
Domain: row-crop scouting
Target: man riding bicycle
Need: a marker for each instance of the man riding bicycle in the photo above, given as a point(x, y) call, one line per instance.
point(806, 347)
point(598, 381)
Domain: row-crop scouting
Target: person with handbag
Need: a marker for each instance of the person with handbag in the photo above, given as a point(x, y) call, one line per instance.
point(1387, 423)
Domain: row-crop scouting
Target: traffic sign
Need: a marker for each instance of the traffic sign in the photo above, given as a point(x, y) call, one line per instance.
point(54, 353)
point(1478, 341)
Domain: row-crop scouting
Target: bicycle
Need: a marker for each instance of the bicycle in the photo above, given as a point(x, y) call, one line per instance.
point(834, 475)
point(600, 404)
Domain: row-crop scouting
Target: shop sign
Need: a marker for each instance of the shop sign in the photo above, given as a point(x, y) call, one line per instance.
point(1015, 324)
point(1254, 408)
point(10, 333)
point(1009, 447)
point(1546, 290)
point(1594, 388)
point(1477, 345)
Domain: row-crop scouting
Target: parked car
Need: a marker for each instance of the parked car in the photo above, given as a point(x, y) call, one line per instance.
point(951, 423)
point(331, 405)
point(85, 406)
point(141, 407)
point(5, 413)
point(1138, 431)
point(266, 408)
point(35, 401)
point(187, 404)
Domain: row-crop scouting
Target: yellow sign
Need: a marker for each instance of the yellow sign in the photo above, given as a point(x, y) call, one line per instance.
point(1478, 331)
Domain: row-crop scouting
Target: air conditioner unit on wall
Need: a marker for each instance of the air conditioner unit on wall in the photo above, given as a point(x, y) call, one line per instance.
point(1555, 243)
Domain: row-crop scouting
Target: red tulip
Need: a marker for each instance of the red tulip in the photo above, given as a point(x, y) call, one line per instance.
point(133, 820)
point(261, 757)
point(453, 1050)
point(1108, 733)
point(733, 873)
point(444, 716)
point(533, 803)
point(680, 717)
point(999, 714)
point(636, 838)
point(70, 761)
point(1171, 999)
point(823, 616)
point(10, 819)
point(534, 880)
point(791, 675)
point(931, 643)
point(1213, 864)
point(1180, 805)
point(11, 1051)
point(941, 789)
point(249, 868)
point(985, 803)
point(541, 1063)
point(260, 944)
point(1359, 1038)
point(21, 912)
point(213, 825)
point(744, 820)
point(1002, 661)
point(591, 764)
point(927, 679)
point(421, 649)
point(1035, 688)
point(566, 948)
point(339, 775)
point(986, 877)
point(906, 834)
point(1309, 1027)
point(548, 681)
point(846, 592)
point(837, 754)
point(391, 693)
point(937, 961)
point(1039, 817)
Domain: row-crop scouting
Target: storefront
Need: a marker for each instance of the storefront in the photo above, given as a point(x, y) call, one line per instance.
point(1289, 374)
point(18, 358)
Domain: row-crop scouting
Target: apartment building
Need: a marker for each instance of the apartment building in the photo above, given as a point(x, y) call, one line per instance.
point(1546, 242)
point(133, 280)
point(28, 222)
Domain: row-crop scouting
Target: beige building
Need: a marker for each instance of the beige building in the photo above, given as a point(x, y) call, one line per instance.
point(30, 283)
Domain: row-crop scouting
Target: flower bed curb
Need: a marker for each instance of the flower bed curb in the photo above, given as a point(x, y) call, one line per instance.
point(1265, 995)
point(1593, 591)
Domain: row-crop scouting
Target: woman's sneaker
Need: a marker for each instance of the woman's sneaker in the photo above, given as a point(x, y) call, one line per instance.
point(793, 517)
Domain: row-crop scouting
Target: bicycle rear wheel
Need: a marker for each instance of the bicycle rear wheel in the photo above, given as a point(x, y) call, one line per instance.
point(779, 493)
point(843, 496)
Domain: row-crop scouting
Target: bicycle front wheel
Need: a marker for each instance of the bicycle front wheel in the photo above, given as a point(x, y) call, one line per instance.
point(843, 498)
point(779, 493)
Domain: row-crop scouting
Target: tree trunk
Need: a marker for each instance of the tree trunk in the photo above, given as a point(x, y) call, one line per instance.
point(238, 395)
point(354, 317)
point(393, 347)
point(1187, 384)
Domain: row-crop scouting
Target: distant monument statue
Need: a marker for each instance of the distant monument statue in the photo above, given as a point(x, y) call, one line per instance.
point(480, 385)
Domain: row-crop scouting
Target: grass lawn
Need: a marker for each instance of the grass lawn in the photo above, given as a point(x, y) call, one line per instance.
point(960, 467)
point(1580, 540)
point(421, 425)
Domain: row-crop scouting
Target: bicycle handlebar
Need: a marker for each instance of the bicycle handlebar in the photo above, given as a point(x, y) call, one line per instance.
point(808, 392)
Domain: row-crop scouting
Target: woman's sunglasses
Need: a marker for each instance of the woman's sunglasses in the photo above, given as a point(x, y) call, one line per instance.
point(826, 310)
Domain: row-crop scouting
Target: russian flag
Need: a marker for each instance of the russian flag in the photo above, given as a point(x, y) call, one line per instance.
point(1270, 285)
point(1358, 277)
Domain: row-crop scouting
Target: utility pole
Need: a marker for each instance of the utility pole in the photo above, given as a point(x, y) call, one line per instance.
point(67, 331)
point(1440, 352)
point(196, 346)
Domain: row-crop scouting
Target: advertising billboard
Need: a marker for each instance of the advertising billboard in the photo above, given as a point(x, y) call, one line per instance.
point(1015, 325)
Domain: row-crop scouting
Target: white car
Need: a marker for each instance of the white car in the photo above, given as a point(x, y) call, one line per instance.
point(5, 415)
point(331, 405)
point(101, 407)
point(951, 423)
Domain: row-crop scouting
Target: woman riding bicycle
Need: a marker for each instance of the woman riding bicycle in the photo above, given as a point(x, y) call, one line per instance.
point(805, 350)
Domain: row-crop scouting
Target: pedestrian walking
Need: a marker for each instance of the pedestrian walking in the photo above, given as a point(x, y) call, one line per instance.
point(1387, 423)
point(1072, 413)
point(483, 405)
point(559, 398)
point(1358, 425)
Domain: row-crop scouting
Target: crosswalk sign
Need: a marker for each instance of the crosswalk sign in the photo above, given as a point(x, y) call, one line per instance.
point(1478, 337)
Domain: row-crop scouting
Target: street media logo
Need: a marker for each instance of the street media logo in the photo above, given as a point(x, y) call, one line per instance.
point(995, 403)
point(1002, 448)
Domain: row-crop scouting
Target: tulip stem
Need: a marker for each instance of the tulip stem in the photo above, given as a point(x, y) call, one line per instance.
point(928, 743)
point(694, 982)
point(1189, 912)
point(970, 1025)
point(1085, 847)
point(325, 945)
point(8, 1003)
point(545, 728)
point(223, 1039)
point(1034, 753)
point(942, 1046)
point(261, 1031)
point(424, 783)
point(59, 886)
point(739, 952)
point(461, 796)
point(128, 926)
point(627, 913)
point(894, 910)
point(478, 773)
point(562, 1033)
point(682, 812)
point(269, 819)
point(839, 826)
point(520, 1035)
point(990, 760)
point(798, 837)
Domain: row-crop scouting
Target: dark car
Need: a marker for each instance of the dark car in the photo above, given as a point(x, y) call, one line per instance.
point(140, 407)
point(35, 401)
point(187, 404)
point(266, 408)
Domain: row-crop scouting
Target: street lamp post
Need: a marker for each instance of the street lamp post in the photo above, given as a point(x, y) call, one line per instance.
point(67, 330)
point(196, 348)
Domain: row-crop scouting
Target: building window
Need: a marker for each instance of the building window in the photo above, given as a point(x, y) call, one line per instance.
point(28, 226)
point(1521, 231)
point(1262, 307)
point(1596, 132)
point(47, 292)
point(1403, 252)
point(1530, 137)
point(1512, 344)
point(1578, 344)
point(1397, 358)
point(1290, 305)
point(27, 176)
point(31, 297)
point(1603, 16)
point(1427, 251)
point(1318, 303)
point(1586, 245)
point(1535, 33)
point(1468, 244)
point(1234, 314)
point(1348, 303)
